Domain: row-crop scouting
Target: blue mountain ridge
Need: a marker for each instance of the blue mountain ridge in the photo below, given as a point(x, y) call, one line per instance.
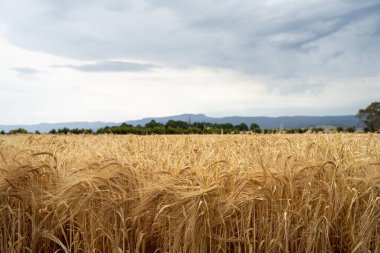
point(264, 122)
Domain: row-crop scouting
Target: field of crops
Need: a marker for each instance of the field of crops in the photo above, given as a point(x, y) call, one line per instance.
point(238, 193)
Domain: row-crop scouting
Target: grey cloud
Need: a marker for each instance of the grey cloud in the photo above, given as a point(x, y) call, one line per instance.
point(26, 71)
point(112, 66)
point(284, 38)
point(319, 29)
point(314, 88)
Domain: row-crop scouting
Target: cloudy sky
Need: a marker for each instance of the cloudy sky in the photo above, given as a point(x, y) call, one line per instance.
point(115, 60)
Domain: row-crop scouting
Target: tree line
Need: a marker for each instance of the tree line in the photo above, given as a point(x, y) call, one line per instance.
point(182, 127)
point(370, 118)
point(179, 127)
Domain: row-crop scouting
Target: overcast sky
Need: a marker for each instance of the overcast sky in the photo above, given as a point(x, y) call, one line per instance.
point(114, 60)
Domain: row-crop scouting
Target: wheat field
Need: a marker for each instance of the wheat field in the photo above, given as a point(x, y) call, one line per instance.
point(226, 193)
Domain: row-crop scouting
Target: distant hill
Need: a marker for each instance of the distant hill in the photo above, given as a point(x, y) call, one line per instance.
point(264, 122)
point(46, 127)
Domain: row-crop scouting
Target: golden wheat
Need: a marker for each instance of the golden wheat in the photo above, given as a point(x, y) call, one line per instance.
point(240, 193)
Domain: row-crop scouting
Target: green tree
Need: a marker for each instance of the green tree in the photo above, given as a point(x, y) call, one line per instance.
point(177, 124)
point(242, 127)
point(225, 126)
point(199, 125)
point(88, 131)
point(172, 130)
point(126, 125)
point(302, 130)
point(64, 130)
point(291, 131)
point(255, 128)
point(153, 124)
point(317, 130)
point(370, 117)
point(53, 131)
point(18, 131)
point(351, 129)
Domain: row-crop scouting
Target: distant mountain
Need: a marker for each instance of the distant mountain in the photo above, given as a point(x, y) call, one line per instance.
point(46, 127)
point(182, 117)
point(264, 122)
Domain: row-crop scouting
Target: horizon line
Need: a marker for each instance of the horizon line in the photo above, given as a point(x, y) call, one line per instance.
point(176, 115)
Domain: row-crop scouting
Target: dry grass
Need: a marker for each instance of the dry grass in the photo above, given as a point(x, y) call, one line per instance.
point(270, 193)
